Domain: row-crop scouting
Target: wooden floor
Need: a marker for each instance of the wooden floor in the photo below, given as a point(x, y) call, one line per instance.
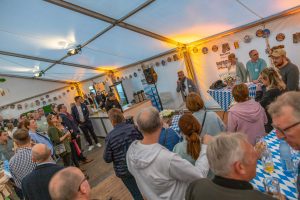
point(98, 170)
point(112, 188)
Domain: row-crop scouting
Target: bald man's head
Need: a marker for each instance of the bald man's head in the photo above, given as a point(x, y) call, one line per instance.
point(41, 153)
point(69, 184)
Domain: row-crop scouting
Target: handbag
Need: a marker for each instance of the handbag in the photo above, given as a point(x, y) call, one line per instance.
point(59, 149)
point(217, 85)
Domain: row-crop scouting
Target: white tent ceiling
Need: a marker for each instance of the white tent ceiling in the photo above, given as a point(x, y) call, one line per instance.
point(38, 33)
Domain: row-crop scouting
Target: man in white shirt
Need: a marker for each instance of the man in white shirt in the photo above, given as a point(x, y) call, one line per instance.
point(159, 173)
point(81, 115)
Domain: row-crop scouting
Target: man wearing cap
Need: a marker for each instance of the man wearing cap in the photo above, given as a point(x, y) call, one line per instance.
point(288, 71)
point(255, 66)
point(112, 102)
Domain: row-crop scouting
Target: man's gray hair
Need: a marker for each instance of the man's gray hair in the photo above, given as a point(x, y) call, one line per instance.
point(224, 150)
point(148, 120)
point(291, 99)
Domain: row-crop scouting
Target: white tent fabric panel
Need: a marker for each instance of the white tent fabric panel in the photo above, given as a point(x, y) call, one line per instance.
point(265, 8)
point(114, 8)
point(38, 28)
point(191, 20)
point(20, 67)
point(120, 47)
point(68, 73)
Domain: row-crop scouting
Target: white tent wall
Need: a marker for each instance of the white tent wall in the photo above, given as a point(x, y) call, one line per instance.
point(20, 88)
point(205, 64)
point(66, 98)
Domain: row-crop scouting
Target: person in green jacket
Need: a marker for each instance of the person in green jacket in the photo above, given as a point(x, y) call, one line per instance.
point(60, 140)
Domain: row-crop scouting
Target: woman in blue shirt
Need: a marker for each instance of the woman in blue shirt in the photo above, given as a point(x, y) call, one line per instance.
point(168, 136)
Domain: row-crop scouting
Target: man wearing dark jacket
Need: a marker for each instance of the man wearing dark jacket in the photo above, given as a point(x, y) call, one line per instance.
point(81, 114)
point(35, 184)
point(112, 102)
point(117, 143)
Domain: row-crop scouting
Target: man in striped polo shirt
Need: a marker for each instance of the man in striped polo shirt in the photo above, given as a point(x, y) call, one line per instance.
point(117, 143)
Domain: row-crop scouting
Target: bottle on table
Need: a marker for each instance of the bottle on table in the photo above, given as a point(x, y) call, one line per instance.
point(286, 157)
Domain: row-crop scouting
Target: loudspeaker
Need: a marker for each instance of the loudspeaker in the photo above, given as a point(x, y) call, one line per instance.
point(150, 75)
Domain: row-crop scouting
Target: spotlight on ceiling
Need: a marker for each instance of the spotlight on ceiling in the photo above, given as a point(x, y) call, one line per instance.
point(39, 74)
point(75, 50)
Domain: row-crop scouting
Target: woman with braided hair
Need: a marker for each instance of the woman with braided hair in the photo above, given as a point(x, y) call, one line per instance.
point(192, 147)
point(273, 86)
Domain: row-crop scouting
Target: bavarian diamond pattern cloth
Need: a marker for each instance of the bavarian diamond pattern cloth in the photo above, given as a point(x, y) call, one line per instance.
point(224, 96)
point(174, 124)
point(287, 180)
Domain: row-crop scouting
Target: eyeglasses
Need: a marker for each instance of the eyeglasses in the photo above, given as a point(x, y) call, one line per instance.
point(283, 131)
point(81, 183)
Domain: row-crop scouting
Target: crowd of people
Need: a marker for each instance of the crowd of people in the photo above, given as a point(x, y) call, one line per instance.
point(41, 145)
point(288, 71)
point(201, 165)
point(208, 159)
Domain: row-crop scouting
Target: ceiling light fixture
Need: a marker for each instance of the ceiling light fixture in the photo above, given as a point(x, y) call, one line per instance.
point(75, 50)
point(39, 74)
point(36, 69)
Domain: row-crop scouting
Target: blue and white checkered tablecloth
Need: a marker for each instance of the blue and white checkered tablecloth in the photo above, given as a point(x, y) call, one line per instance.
point(224, 96)
point(287, 181)
point(174, 124)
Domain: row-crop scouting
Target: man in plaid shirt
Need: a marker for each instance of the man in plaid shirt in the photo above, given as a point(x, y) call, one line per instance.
point(21, 163)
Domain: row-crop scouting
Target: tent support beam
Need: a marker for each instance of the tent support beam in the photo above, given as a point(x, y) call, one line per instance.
point(134, 64)
point(26, 77)
point(115, 22)
point(6, 53)
point(189, 66)
point(247, 26)
point(109, 20)
point(28, 98)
